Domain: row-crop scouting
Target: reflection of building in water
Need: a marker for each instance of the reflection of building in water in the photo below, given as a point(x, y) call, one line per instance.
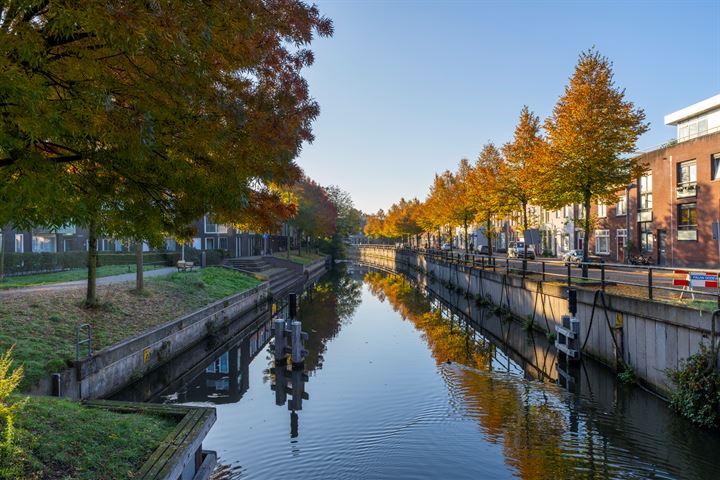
point(290, 381)
point(226, 379)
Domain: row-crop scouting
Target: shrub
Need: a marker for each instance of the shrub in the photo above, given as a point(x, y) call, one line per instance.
point(627, 376)
point(8, 409)
point(697, 389)
point(527, 324)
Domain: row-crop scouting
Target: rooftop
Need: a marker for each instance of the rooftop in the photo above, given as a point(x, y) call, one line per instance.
point(694, 110)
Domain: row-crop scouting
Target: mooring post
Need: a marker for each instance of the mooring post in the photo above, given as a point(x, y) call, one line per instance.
point(296, 334)
point(279, 331)
point(292, 306)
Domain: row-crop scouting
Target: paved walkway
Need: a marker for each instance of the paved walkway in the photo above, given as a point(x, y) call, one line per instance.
point(125, 277)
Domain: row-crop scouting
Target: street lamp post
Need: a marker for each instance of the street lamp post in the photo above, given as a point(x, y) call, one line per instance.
point(628, 187)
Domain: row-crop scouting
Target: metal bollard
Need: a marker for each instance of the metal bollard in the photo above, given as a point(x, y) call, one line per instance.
point(279, 330)
point(296, 333)
point(292, 306)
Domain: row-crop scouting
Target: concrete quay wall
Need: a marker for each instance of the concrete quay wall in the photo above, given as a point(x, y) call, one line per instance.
point(651, 336)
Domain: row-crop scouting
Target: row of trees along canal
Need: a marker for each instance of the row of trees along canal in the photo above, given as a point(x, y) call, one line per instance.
point(583, 157)
point(134, 119)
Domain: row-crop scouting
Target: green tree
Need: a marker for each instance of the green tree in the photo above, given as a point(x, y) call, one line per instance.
point(171, 109)
point(591, 132)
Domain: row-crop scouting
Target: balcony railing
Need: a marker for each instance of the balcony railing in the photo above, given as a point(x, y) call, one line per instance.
point(686, 189)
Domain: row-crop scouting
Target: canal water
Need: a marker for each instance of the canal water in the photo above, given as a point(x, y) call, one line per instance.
point(400, 384)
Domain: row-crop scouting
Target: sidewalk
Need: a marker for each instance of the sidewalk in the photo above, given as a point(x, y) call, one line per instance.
point(125, 277)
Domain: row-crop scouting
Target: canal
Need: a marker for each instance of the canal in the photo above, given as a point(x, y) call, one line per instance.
point(399, 383)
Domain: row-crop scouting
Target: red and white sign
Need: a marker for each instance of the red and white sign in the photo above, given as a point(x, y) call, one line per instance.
point(686, 278)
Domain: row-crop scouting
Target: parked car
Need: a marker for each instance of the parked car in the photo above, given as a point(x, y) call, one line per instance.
point(446, 247)
point(520, 250)
point(572, 257)
point(482, 250)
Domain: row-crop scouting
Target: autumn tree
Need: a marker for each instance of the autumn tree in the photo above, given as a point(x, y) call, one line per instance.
point(520, 172)
point(462, 206)
point(176, 109)
point(592, 130)
point(486, 191)
point(402, 219)
point(374, 226)
point(316, 215)
point(436, 211)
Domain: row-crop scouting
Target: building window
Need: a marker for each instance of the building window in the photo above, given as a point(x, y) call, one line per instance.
point(567, 211)
point(693, 128)
point(621, 208)
point(210, 243)
point(197, 243)
point(214, 227)
point(19, 243)
point(647, 239)
point(715, 166)
point(687, 179)
point(602, 210)
point(602, 242)
point(646, 192)
point(220, 365)
point(223, 243)
point(44, 243)
point(622, 232)
point(687, 221)
point(581, 211)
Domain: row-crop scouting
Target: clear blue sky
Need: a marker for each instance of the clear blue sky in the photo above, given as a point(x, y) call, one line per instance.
point(408, 88)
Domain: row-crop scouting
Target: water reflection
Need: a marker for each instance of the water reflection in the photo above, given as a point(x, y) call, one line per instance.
point(410, 380)
point(605, 431)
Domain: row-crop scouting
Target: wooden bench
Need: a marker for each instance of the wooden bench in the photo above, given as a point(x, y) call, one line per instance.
point(185, 266)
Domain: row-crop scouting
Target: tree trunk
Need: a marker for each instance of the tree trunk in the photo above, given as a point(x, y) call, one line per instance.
point(488, 235)
point(465, 225)
point(139, 266)
point(586, 228)
point(91, 293)
point(525, 227)
point(2, 255)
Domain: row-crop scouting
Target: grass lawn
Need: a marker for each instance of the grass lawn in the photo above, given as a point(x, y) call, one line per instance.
point(42, 325)
point(61, 439)
point(304, 258)
point(69, 275)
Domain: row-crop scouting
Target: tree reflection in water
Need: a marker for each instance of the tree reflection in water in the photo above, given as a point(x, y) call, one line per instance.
point(539, 435)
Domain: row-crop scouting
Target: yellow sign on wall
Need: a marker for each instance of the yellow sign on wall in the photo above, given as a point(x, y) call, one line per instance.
point(146, 355)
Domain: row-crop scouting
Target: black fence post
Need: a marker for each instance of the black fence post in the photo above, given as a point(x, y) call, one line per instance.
point(543, 270)
point(650, 291)
point(569, 275)
point(602, 275)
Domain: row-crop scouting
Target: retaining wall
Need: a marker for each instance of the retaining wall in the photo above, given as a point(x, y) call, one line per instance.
point(114, 367)
point(652, 336)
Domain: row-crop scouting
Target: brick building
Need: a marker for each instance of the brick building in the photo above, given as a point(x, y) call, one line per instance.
point(668, 213)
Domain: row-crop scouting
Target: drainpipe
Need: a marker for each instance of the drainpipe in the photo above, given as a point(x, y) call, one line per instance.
point(672, 213)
